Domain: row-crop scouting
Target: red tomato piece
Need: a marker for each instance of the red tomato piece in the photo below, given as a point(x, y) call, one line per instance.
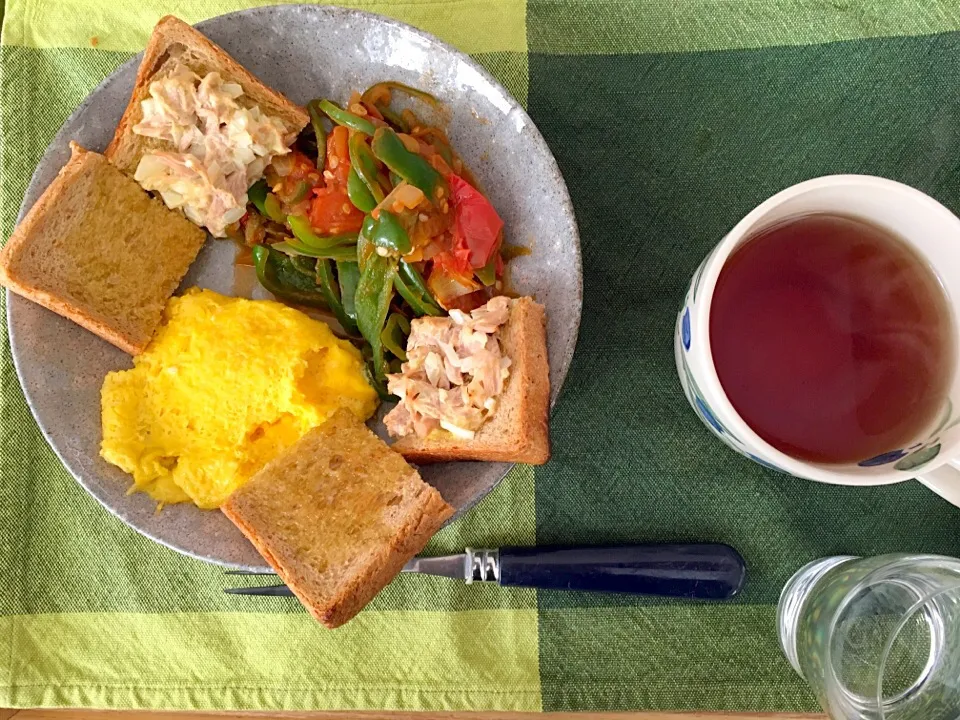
point(331, 212)
point(476, 225)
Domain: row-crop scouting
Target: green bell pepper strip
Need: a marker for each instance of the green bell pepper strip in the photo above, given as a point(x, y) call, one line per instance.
point(306, 265)
point(392, 117)
point(316, 120)
point(374, 291)
point(394, 85)
point(395, 179)
point(305, 234)
point(331, 293)
point(346, 118)
point(365, 165)
point(257, 194)
point(365, 246)
point(488, 273)
point(417, 302)
point(348, 275)
point(303, 187)
point(394, 335)
point(412, 277)
point(379, 385)
point(340, 252)
point(277, 274)
point(389, 233)
point(274, 208)
point(390, 150)
point(359, 193)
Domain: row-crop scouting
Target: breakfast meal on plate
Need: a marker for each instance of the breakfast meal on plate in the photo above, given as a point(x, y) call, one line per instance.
point(337, 515)
point(225, 386)
point(97, 249)
point(364, 214)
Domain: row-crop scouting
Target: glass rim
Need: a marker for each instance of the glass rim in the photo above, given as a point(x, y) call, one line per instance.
point(882, 574)
point(910, 613)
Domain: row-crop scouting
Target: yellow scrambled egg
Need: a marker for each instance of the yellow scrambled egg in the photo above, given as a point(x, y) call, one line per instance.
point(225, 385)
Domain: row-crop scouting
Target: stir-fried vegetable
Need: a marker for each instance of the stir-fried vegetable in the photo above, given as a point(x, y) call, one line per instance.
point(257, 194)
point(389, 149)
point(381, 93)
point(347, 119)
point(359, 193)
point(387, 225)
point(388, 234)
point(278, 274)
point(319, 131)
point(305, 234)
point(374, 292)
point(394, 335)
point(293, 247)
point(348, 275)
point(477, 227)
point(364, 164)
point(331, 293)
point(418, 303)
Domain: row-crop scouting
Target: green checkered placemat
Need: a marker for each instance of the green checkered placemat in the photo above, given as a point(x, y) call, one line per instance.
point(670, 120)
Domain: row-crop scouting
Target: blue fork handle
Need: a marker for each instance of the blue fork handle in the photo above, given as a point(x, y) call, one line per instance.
point(703, 571)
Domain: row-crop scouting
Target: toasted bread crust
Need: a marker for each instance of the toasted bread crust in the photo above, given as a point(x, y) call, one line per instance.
point(80, 162)
point(268, 528)
point(79, 158)
point(376, 576)
point(519, 429)
point(434, 511)
point(123, 150)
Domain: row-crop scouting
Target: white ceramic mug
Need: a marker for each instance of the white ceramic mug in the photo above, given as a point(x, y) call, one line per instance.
point(933, 456)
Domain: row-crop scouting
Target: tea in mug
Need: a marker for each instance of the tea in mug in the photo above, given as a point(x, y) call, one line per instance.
point(832, 338)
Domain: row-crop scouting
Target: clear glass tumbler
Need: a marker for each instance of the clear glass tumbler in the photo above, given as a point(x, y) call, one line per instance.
point(877, 638)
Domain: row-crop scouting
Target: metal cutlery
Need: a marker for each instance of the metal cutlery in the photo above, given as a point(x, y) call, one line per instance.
point(701, 571)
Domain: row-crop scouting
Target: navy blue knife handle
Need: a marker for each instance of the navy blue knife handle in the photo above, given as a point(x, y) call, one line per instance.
point(703, 571)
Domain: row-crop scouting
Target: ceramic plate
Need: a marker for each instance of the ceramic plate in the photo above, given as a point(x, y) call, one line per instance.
point(305, 52)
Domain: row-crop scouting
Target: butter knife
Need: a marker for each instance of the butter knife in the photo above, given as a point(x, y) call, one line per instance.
point(699, 571)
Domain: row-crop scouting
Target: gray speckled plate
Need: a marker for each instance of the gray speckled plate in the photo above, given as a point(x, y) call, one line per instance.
point(305, 51)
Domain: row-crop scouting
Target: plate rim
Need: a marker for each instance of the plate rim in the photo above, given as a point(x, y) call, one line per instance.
point(342, 13)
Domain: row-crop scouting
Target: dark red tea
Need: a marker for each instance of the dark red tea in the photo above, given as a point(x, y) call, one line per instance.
point(832, 338)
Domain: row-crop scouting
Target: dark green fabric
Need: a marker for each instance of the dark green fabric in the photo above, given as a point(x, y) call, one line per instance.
point(663, 154)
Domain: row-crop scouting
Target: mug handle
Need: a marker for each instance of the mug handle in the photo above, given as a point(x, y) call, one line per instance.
point(944, 481)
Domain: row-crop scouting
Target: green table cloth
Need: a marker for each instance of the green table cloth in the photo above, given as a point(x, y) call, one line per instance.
point(670, 120)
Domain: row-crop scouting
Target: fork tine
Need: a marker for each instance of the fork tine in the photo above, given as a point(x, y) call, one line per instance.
point(268, 591)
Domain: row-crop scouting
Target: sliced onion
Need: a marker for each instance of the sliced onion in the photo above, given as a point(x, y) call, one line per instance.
point(404, 194)
point(283, 164)
point(409, 142)
point(446, 288)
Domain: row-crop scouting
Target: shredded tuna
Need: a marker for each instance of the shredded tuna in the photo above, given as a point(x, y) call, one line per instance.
point(454, 374)
point(222, 147)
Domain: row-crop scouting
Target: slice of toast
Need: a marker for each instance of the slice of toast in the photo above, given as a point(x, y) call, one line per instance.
point(174, 41)
point(337, 515)
point(518, 431)
point(99, 250)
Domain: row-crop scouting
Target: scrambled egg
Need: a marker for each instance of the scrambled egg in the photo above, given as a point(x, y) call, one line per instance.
point(225, 385)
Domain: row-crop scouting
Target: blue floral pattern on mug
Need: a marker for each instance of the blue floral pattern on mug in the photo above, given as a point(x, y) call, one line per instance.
point(761, 461)
point(685, 329)
point(918, 454)
point(918, 458)
point(883, 458)
point(707, 415)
